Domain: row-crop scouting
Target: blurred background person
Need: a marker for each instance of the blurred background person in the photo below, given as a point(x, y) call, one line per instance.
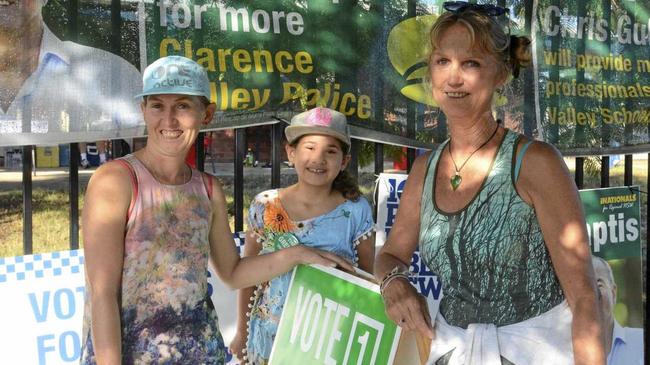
point(624, 345)
point(97, 149)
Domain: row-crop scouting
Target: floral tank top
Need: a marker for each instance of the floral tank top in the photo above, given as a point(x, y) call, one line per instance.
point(166, 314)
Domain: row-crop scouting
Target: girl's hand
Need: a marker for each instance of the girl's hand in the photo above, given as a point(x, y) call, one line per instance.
point(308, 255)
point(407, 308)
point(238, 346)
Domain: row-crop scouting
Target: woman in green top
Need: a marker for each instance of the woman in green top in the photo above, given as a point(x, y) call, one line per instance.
point(499, 218)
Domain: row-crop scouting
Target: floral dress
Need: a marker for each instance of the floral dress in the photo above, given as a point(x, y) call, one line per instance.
point(338, 231)
point(167, 316)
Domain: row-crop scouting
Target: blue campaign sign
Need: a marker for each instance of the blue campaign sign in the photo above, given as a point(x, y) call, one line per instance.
point(424, 281)
point(388, 192)
point(42, 307)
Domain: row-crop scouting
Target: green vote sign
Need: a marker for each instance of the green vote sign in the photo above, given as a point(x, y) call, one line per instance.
point(331, 317)
point(613, 221)
point(614, 227)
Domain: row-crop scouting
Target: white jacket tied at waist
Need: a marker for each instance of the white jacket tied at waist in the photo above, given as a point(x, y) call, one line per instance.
point(545, 339)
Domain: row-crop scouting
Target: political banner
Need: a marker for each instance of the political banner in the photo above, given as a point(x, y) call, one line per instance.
point(268, 60)
point(592, 72)
point(587, 92)
point(388, 192)
point(42, 308)
point(614, 228)
point(57, 90)
point(613, 221)
point(331, 317)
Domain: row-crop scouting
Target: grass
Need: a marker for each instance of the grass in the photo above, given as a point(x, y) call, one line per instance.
point(50, 221)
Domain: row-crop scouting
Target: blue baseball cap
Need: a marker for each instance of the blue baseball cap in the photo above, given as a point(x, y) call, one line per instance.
point(175, 75)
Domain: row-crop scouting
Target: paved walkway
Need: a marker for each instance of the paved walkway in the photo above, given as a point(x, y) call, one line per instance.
point(48, 173)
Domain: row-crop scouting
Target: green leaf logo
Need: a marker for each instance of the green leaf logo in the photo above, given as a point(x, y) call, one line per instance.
point(408, 48)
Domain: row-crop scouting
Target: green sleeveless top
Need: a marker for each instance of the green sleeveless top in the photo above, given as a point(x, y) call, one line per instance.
point(490, 256)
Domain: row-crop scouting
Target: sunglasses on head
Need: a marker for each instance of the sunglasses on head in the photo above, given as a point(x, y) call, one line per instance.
point(457, 7)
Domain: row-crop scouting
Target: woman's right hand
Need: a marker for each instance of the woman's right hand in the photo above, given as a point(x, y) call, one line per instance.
point(238, 346)
point(309, 255)
point(407, 308)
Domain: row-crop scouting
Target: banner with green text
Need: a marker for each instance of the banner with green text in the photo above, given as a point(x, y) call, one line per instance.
point(592, 71)
point(77, 66)
point(273, 58)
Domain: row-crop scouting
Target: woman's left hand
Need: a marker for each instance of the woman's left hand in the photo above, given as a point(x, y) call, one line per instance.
point(407, 308)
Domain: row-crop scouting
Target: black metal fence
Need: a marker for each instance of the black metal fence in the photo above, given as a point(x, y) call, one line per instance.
point(276, 163)
point(238, 166)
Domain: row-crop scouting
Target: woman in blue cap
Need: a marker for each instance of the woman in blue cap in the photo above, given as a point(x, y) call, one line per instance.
point(150, 223)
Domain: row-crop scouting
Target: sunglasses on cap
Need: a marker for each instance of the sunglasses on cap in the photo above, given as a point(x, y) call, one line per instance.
point(457, 7)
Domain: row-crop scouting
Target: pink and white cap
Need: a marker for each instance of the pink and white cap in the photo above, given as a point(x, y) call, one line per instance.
point(322, 121)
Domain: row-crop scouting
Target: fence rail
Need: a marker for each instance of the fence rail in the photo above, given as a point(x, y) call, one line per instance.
point(238, 168)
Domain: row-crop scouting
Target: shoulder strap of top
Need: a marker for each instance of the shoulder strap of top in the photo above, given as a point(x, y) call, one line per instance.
point(432, 157)
point(520, 157)
point(429, 178)
point(134, 184)
point(209, 186)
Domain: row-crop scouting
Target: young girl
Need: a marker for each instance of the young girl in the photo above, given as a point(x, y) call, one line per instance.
point(323, 210)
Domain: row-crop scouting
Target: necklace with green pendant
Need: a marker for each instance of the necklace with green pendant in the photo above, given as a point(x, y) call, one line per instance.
point(457, 179)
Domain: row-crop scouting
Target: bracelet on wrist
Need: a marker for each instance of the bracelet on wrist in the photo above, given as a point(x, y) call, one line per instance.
point(395, 273)
point(391, 279)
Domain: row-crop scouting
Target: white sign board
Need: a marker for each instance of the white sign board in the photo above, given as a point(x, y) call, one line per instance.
point(43, 305)
point(389, 192)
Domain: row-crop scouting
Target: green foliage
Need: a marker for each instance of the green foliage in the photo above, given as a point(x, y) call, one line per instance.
point(592, 166)
point(367, 153)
